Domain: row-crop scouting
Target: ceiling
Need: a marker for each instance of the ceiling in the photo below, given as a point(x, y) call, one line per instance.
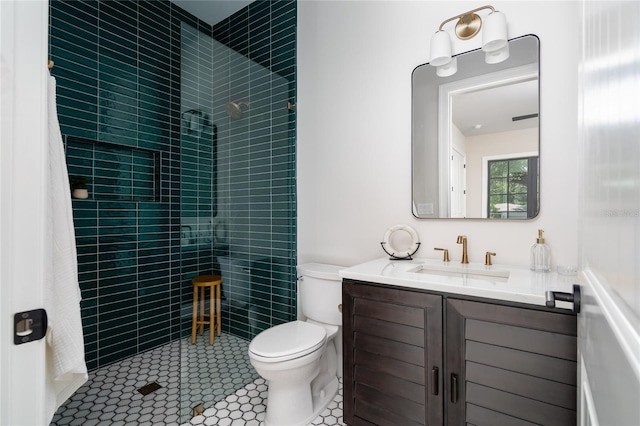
point(491, 110)
point(212, 11)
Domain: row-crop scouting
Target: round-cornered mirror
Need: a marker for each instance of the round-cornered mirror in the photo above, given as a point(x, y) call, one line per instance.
point(475, 137)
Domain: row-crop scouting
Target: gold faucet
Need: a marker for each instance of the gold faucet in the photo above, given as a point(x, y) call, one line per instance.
point(462, 239)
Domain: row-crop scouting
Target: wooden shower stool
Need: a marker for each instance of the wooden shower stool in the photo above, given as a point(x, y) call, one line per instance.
point(200, 318)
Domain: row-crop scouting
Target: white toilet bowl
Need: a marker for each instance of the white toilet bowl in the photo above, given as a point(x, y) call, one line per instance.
point(301, 360)
point(298, 359)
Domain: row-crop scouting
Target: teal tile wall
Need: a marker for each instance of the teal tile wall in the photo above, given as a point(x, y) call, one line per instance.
point(117, 66)
point(265, 33)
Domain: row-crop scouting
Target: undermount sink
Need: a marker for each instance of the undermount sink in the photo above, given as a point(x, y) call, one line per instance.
point(480, 272)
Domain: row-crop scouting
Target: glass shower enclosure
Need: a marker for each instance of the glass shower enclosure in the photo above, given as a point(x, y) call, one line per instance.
point(237, 217)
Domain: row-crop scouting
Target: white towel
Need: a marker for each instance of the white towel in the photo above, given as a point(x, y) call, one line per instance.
point(66, 367)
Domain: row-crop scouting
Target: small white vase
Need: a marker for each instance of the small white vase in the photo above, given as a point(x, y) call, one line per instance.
point(80, 193)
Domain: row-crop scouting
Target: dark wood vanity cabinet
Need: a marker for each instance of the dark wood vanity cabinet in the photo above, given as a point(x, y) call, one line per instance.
point(421, 358)
point(392, 356)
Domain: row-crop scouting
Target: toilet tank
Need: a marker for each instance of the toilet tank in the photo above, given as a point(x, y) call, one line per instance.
point(320, 292)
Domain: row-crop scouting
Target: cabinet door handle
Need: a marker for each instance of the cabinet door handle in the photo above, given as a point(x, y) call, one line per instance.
point(435, 373)
point(454, 388)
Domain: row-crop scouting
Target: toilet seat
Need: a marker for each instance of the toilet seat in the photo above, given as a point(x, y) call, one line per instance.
point(287, 341)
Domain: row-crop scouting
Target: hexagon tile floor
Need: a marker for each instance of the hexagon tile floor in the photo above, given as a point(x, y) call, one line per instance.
point(230, 391)
point(247, 407)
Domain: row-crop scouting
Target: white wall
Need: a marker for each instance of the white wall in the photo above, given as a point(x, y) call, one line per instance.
point(355, 60)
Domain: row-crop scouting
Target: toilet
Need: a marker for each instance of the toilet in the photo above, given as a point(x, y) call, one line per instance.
point(302, 360)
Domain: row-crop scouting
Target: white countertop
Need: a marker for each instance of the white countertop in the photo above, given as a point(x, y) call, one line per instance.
point(522, 285)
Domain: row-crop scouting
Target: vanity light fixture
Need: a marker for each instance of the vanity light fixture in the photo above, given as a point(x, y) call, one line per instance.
point(495, 43)
point(450, 68)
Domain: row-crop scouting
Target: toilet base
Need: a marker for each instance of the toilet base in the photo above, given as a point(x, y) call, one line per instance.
point(296, 414)
point(299, 389)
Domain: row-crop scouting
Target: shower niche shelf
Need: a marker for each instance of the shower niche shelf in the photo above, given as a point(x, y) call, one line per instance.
point(117, 172)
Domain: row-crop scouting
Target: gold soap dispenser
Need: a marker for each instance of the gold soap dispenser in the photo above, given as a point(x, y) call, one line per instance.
point(540, 255)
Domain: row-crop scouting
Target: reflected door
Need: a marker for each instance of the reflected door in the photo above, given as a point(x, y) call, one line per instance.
point(458, 185)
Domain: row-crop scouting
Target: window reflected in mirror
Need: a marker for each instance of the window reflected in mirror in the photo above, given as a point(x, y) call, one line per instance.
point(512, 188)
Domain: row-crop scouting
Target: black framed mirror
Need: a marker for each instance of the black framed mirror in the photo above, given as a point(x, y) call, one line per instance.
point(476, 138)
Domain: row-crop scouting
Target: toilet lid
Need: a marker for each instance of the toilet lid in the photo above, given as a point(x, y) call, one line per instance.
point(287, 341)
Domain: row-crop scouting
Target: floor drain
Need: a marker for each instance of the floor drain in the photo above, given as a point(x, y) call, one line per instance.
point(151, 387)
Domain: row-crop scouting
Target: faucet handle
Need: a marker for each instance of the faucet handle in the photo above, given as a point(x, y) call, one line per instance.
point(446, 253)
point(487, 258)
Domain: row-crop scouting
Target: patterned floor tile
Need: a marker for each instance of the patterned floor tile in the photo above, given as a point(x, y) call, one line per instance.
point(225, 383)
point(247, 407)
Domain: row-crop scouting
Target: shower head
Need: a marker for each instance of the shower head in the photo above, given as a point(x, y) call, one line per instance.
point(235, 109)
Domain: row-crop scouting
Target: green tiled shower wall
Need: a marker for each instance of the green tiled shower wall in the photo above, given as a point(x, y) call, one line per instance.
point(178, 186)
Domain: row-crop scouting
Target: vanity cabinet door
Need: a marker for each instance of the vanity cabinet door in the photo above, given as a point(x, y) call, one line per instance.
point(508, 365)
point(392, 356)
